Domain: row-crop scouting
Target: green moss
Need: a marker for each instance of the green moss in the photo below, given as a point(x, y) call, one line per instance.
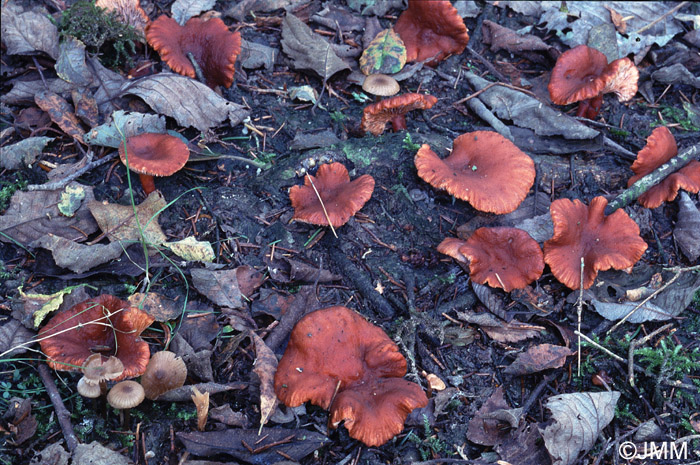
point(101, 32)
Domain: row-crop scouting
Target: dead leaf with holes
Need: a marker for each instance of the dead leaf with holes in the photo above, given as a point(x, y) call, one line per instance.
point(61, 113)
point(119, 223)
point(265, 368)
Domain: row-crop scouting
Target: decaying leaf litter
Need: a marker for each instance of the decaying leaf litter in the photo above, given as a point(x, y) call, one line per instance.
point(221, 267)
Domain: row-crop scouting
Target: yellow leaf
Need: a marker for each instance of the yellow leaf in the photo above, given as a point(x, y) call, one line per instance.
point(192, 250)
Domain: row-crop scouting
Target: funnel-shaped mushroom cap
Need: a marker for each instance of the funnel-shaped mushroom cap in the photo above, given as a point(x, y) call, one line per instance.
point(485, 169)
point(577, 75)
point(341, 197)
point(336, 350)
point(604, 242)
point(127, 394)
point(213, 46)
point(98, 368)
point(375, 411)
point(155, 154)
point(621, 77)
point(450, 246)
point(503, 257)
point(377, 115)
point(165, 371)
point(431, 29)
point(660, 148)
point(104, 324)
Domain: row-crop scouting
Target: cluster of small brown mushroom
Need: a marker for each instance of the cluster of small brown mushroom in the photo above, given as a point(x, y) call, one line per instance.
point(101, 338)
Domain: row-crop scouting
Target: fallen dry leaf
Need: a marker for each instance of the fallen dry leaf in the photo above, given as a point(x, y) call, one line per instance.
point(85, 107)
point(160, 307)
point(265, 368)
point(687, 230)
point(486, 427)
point(191, 103)
point(221, 287)
point(538, 358)
point(201, 402)
point(61, 113)
point(119, 223)
point(184, 393)
point(24, 152)
point(500, 330)
point(128, 124)
point(191, 249)
point(309, 51)
point(578, 420)
point(21, 422)
point(26, 32)
point(14, 338)
point(183, 10)
point(35, 213)
point(502, 38)
point(40, 305)
point(70, 65)
point(78, 257)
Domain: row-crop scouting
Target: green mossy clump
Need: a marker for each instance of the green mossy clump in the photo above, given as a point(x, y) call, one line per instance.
point(102, 33)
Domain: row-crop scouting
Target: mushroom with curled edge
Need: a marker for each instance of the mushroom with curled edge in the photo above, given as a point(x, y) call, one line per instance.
point(660, 148)
point(582, 231)
point(381, 85)
point(485, 169)
point(507, 258)
point(209, 42)
point(164, 372)
point(582, 74)
point(340, 198)
point(124, 396)
point(393, 110)
point(431, 31)
point(337, 360)
point(106, 325)
point(153, 154)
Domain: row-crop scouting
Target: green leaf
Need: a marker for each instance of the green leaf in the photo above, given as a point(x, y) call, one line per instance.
point(386, 54)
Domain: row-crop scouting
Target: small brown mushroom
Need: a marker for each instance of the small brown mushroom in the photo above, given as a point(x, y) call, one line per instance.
point(381, 85)
point(165, 371)
point(125, 396)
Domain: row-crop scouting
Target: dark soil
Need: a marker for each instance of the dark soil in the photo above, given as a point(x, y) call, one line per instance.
point(389, 246)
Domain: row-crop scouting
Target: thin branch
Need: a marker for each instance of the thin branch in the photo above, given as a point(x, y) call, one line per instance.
point(197, 68)
point(61, 183)
point(633, 347)
point(62, 414)
point(328, 218)
point(653, 178)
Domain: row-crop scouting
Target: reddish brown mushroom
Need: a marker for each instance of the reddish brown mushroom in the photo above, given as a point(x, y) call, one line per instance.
point(485, 169)
point(105, 325)
point(153, 154)
point(341, 197)
point(394, 109)
point(660, 148)
point(212, 45)
point(450, 246)
point(603, 242)
point(500, 257)
point(583, 75)
point(128, 11)
point(335, 359)
point(431, 31)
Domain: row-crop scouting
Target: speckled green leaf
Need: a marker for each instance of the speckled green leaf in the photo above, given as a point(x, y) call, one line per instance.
point(386, 54)
point(71, 198)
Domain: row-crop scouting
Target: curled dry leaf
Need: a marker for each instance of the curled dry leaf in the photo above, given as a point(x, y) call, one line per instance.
point(76, 257)
point(183, 10)
point(71, 65)
point(687, 230)
point(191, 249)
point(538, 358)
point(265, 368)
point(24, 152)
point(27, 32)
point(485, 427)
point(578, 419)
point(201, 402)
point(40, 305)
point(191, 103)
point(130, 124)
point(61, 113)
point(498, 329)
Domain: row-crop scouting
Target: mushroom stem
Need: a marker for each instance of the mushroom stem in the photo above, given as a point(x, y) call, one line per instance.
point(589, 108)
point(147, 183)
point(398, 122)
point(125, 415)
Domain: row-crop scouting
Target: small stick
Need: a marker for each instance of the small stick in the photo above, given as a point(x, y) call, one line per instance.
point(626, 154)
point(633, 347)
point(322, 206)
point(660, 18)
point(579, 311)
point(62, 413)
point(197, 69)
point(61, 183)
point(653, 178)
point(598, 346)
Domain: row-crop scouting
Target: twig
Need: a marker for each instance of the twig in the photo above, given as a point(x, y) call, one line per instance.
point(328, 218)
point(579, 311)
point(197, 69)
point(633, 347)
point(62, 414)
point(626, 154)
point(669, 12)
point(61, 183)
point(653, 178)
point(598, 346)
point(486, 63)
point(676, 270)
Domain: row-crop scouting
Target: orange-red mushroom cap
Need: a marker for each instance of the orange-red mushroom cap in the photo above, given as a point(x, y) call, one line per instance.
point(503, 257)
point(485, 169)
point(334, 352)
point(577, 75)
point(341, 197)
point(376, 116)
point(431, 29)
point(213, 46)
point(660, 148)
point(604, 242)
point(105, 324)
point(155, 154)
point(450, 246)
